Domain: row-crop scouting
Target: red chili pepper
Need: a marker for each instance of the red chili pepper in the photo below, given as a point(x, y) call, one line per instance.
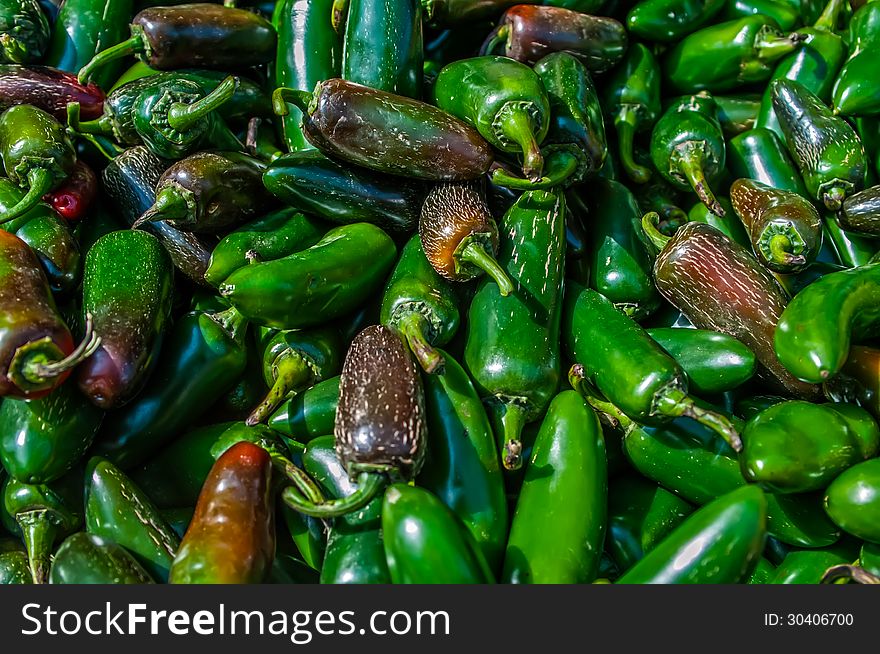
point(72, 199)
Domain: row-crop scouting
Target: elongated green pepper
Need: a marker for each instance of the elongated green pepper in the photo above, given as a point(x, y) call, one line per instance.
point(860, 212)
point(855, 93)
point(89, 559)
point(851, 500)
point(666, 21)
point(512, 343)
point(687, 147)
point(758, 154)
point(309, 414)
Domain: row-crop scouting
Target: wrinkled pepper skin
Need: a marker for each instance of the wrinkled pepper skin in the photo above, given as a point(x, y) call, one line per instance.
point(425, 543)
point(116, 509)
point(512, 343)
point(721, 543)
point(461, 464)
point(231, 539)
point(825, 148)
point(861, 212)
point(855, 93)
point(49, 89)
point(797, 447)
point(548, 544)
point(309, 414)
point(89, 559)
point(391, 134)
point(127, 291)
point(42, 439)
point(713, 362)
point(382, 48)
point(201, 359)
point(343, 194)
point(667, 21)
point(760, 155)
point(343, 269)
point(354, 553)
point(814, 332)
point(852, 501)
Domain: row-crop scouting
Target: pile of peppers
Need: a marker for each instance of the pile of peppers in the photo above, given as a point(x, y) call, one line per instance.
point(440, 291)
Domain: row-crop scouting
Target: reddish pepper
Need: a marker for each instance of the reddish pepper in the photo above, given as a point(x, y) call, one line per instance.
point(50, 90)
point(72, 199)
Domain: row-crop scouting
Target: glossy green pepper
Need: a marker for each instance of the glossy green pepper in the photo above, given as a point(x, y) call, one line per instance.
point(719, 543)
point(796, 447)
point(852, 250)
point(737, 113)
point(116, 509)
point(512, 343)
point(758, 154)
point(346, 266)
point(421, 305)
point(667, 21)
point(309, 414)
point(548, 543)
point(808, 566)
point(632, 97)
point(89, 559)
point(825, 148)
point(729, 225)
point(869, 558)
point(687, 147)
point(426, 543)
point(813, 334)
point(852, 500)
point(13, 563)
point(855, 93)
point(461, 465)
point(25, 32)
point(859, 212)
point(713, 362)
point(40, 440)
point(504, 100)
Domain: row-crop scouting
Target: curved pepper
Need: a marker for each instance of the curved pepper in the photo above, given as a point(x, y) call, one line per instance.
point(48, 89)
point(758, 154)
point(231, 539)
point(89, 559)
point(309, 414)
point(387, 133)
point(666, 21)
point(687, 147)
point(852, 501)
point(855, 93)
point(814, 332)
point(719, 543)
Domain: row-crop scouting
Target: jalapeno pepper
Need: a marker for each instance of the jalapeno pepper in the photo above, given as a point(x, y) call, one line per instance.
point(758, 154)
point(737, 113)
point(387, 132)
point(858, 380)
point(503, 99)
point(719, 543)
point(24, 32)
point(660, 196)
point(860, 211)
point(193, 35)
point(425, 543)
point(814, 332)
point(309, 414)
point(73, 198)
point(809, 566)
point(512, 343)
point(687, 147)
point(89, 559)
point(13, 563)
point(730, 225)
point(421, 305)
point(854, 93)
point(825, 148)
point(666, 21)
point(851, 500)
point(231, 539)
point(48, 89)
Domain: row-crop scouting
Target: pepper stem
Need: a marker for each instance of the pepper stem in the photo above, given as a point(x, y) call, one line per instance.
point(232, 321)
point(182, 116)
point(516, 125)
point(339, 15)
point(369, 485)
point(833, 197)
point(475, 253)
point(616, 418)
point(846, 571)
point(41, 181)
point(650, 225)
point(169, 205)
point(675, 403)
point(779, 249)
point(102, 126)
point(626, 123)
point(292, 373)
point(770, 46)
point(690, 165)
point(495, 38)
point(132, 46)
point(38, 534)
point(559, 166)
point(413, 325)
point(297, 476)
point(283, 96)
point(828, 19)
point(513, 419)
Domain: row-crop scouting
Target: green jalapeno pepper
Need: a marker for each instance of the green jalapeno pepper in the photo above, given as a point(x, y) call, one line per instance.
point(387, 133)
point(782, 12)
point(825, 148)
point(719, 543)
point(309, 414)
point(667, 21)
point(201, 359)
point(851, 500)
point(795, 447)
point(231, 539)
point(37, 154)
point(713, 362)
point(13, 563)
point(737, 113)
point(303, 24)
point(758, 154)
point(547, 543)
point(421, 305)
point(851, 249)
point(632, 97)
point(860, 212)
point(687, 147)
point(461, 465)
point(854, 91)
point(24, 32)
point(426, 543)
point(763, 572)
point(743, 50)
point(814, 332)
point(354, 554)
point(809, 566)
point(869, 558)
point(858, 380)
point(116, 509)
point(42, 439)
point(85, 558)
point(512, 343)
point(504, 100)
point(344, 194)
point(193, 35)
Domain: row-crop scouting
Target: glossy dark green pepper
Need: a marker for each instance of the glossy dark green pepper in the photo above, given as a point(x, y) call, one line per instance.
point(687, 147)
point(89, 559)
point(860, 212)
point(737, 113)
point(24, 30)
point(855, 93)
point(851, 249)
point(852, 500)
point(760, 155)
point(309, 414)
point(667, 21)
point(13, 563)
point(808, 566)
